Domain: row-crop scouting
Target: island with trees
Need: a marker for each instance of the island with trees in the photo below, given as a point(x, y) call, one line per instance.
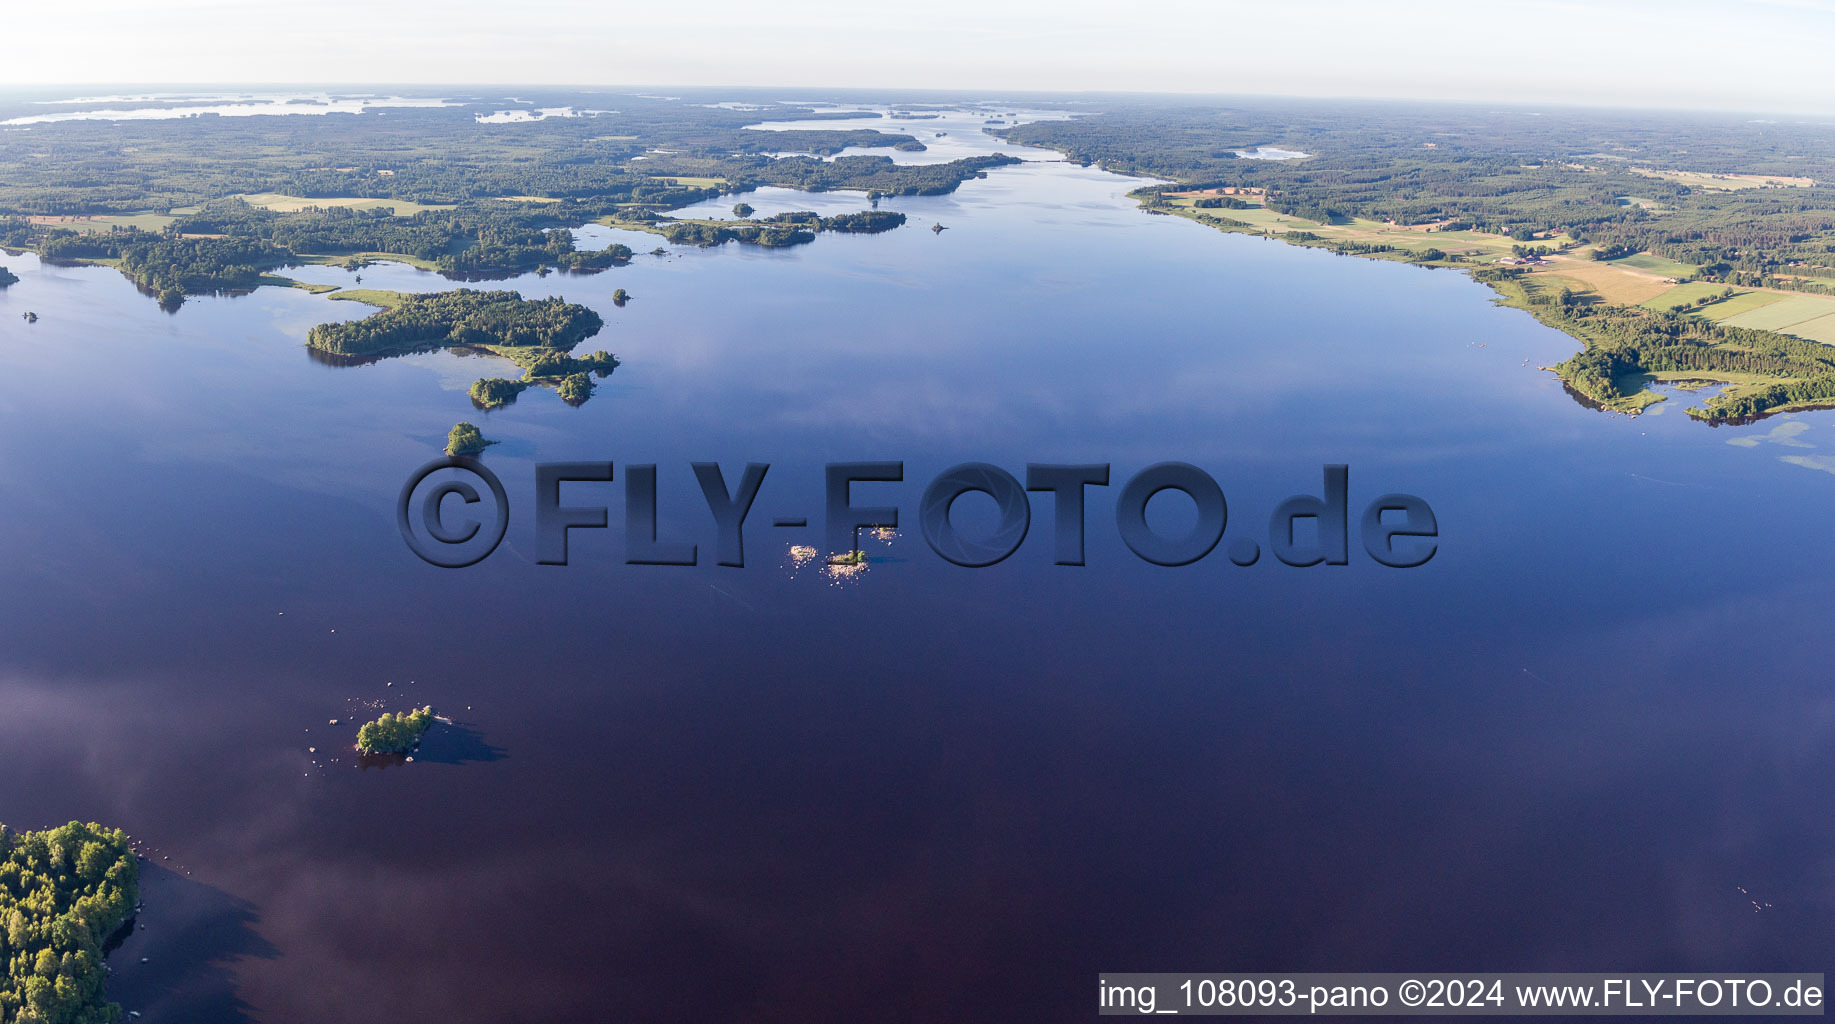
point(64, 894)
point(7, 277)
point(536, 334)
point(395, 734)
point(466, 439)
point(465, 316)
point(782, 229)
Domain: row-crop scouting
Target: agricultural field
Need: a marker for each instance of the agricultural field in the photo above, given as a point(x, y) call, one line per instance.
point(1656, 265)
point(1610, 283)
point(143, 221)
point(1785, 314)
point(1725, 182)
point(1473, 243)
point(1806, 316)
point(1691, 293)
point(293, 204)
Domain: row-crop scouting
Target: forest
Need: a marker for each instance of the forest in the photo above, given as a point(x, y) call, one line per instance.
point(462, 317)
point(473, 238)
point(63, 893)
point(781, 229)
point(395, 734)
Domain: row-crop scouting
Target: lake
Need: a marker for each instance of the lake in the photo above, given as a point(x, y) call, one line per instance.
point(1593, 733)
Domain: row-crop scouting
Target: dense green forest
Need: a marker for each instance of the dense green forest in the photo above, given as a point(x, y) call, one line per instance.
point(475, 238)
point(395, 734)
point(536, 334)
point(780, 229)
point(163, 264)
point(461, 317)
point(466, 439)
point(63, 893)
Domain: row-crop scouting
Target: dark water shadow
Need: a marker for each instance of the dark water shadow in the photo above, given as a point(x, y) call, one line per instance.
point(457, 744)
point(192, 938)
point(319, 355)
point(445, 743)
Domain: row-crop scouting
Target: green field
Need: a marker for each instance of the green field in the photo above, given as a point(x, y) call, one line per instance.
point(1688, 293)
point(370, 296)
point(1820, 329)
point(143, 221)
point(1785, 314)
point(1744, 302)
point(374, 257)
point(287, 282)
point(1656, 265)
point(293, 204)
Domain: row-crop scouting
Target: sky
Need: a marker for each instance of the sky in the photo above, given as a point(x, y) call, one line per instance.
point(1766, 56)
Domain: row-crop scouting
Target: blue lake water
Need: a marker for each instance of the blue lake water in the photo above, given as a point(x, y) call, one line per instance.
point(1588, 735)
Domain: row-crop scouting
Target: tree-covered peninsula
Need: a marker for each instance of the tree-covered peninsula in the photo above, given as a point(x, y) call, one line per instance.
point(395, 734)
point(7, 277)
point(63, 893)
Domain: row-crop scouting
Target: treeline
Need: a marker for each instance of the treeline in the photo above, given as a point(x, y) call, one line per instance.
point(462, 317)
point(1622, 341)
point(63, 893)
point(166, 263)
point(482, 238)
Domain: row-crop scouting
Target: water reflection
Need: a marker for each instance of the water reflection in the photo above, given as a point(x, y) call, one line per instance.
point(967, 787)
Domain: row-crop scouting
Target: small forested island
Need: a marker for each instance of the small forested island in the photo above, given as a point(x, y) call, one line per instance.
point(537, 334)
point(462, 317)
point(7, 277)
point(781, 229)
point(465, 439)
point(63, 894)
point(395, 734)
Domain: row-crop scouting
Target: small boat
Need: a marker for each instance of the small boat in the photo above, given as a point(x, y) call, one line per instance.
point(30, 318)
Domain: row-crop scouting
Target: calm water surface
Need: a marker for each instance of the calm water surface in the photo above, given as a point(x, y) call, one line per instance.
point(702, 793)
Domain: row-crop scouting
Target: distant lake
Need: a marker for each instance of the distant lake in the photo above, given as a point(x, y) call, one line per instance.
point(1271, 153)
point(136, 108)
point(1590, 734)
